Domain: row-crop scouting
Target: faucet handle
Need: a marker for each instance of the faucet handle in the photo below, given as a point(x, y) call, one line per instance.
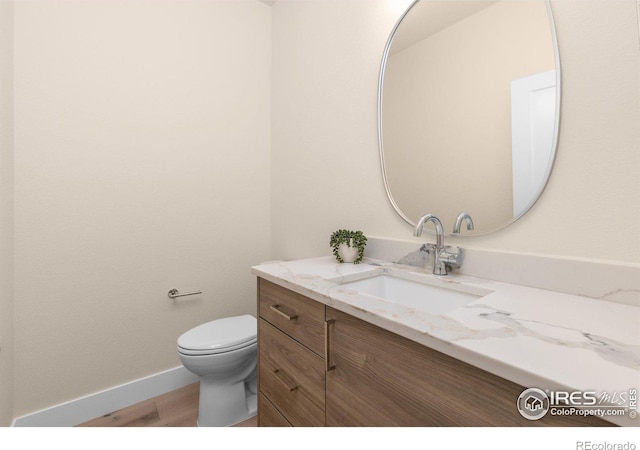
point(452, 256)
point(427, 248)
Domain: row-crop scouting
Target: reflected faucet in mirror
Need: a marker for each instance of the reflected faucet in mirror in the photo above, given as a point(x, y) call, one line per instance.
point(462, 216)
point(446, 258)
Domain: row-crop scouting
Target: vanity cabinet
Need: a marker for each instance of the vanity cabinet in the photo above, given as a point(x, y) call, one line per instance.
point(379, 378)
point(291, 370)
point(334, 369)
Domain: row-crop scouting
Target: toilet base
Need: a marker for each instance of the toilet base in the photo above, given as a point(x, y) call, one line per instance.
point(252, 405)
point(222, 406)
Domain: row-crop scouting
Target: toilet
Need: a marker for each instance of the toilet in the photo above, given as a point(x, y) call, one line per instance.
point(223, 354)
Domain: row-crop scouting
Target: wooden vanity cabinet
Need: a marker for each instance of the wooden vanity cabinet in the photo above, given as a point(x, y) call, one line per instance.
point(362, 375)
point(382, 379)
point(379, 378)
point(291, 370)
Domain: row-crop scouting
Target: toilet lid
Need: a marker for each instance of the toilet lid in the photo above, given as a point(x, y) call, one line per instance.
point(219, 336)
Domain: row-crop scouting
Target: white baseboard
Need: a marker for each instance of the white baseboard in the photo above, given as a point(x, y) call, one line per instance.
point(104, 402)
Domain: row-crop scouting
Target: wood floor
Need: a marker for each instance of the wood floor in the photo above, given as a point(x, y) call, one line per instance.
point(177, 408)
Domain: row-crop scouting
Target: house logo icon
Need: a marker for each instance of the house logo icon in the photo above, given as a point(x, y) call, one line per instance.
point(533, 404)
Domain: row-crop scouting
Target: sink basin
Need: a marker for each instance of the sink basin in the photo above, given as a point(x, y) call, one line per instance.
point(427, 297)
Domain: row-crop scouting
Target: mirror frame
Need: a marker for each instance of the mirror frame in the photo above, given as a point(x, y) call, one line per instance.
point(556, 131)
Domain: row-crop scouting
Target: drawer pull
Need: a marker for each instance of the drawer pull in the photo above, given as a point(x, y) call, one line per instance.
point(327, 349)
point(276, 309)
point(281, 378)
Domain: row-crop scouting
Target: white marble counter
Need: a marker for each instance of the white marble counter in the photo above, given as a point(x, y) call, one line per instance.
point(530, 336)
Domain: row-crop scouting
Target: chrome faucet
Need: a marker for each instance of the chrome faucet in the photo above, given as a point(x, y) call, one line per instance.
point(462, 216)
point(444, 258)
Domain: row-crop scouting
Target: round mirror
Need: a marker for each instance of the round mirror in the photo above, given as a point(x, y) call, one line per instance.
point(468, 111)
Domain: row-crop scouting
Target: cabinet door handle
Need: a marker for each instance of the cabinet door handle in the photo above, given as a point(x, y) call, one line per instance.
point(327, 349)
point(276, 309)
point(279, 376)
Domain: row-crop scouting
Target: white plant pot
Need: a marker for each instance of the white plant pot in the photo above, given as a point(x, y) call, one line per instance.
point(348, 254)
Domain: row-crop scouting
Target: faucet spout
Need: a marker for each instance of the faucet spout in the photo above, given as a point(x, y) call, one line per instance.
point(462, 216)
point(439, 230)
point(439, 268)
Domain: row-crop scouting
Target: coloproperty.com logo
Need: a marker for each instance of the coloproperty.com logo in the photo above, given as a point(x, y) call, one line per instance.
point(534, 403)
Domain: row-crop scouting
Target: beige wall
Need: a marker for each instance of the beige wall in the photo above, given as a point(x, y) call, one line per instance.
point(325, 168)
point(141, 164)
point(6, 212)
point(446, 112)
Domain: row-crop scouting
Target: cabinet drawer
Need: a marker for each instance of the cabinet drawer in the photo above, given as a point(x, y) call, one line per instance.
point(268, 415)
point(291, 377)
point(298, 316)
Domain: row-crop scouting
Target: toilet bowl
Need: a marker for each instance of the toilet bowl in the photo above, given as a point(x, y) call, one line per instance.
point(223, 354)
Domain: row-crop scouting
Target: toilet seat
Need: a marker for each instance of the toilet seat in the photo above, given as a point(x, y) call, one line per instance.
point(219, 336)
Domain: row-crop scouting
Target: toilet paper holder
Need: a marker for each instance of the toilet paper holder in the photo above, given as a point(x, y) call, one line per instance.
point(174, 293)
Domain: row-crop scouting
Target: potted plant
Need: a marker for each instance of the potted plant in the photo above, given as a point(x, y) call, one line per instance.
point(348, 246)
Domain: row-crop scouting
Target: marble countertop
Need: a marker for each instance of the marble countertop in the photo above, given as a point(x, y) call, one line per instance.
point(532, 337)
